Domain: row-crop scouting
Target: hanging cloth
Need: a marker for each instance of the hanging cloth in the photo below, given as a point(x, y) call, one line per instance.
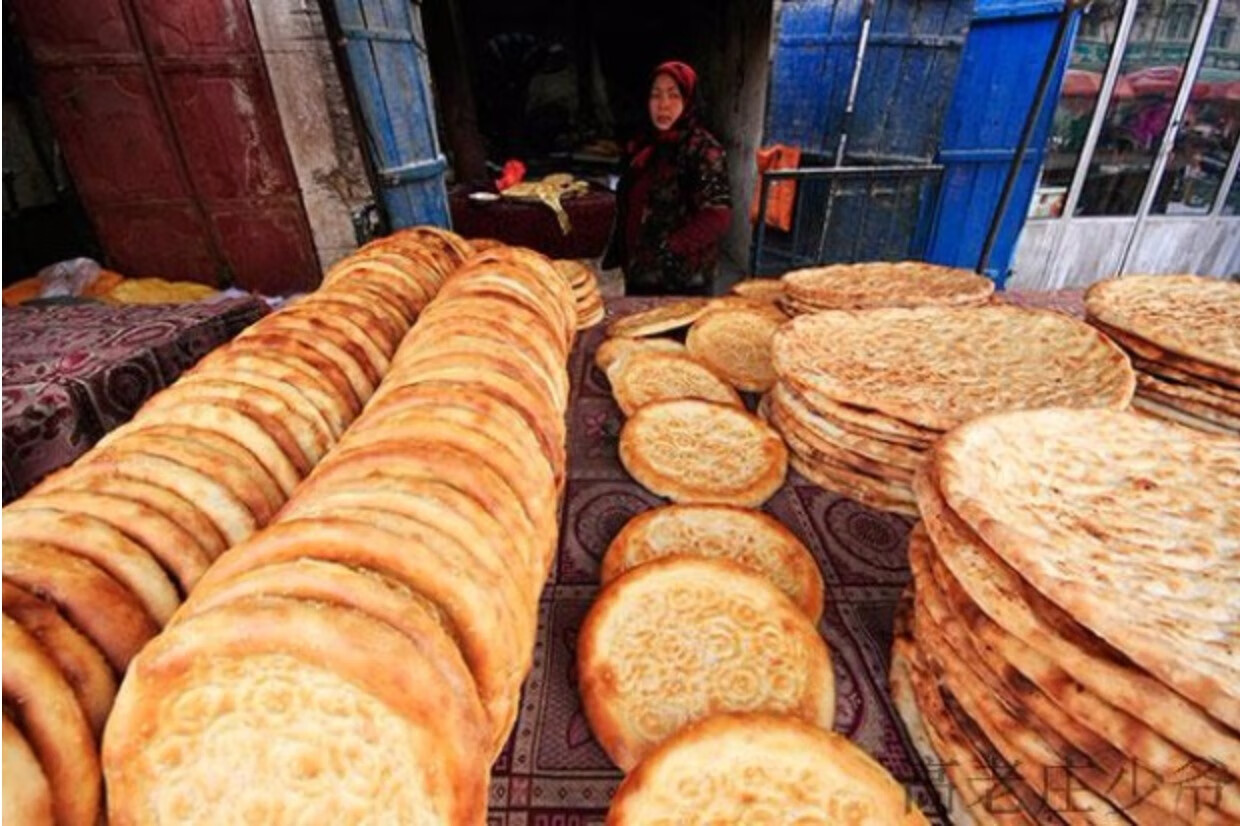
point(783, 194)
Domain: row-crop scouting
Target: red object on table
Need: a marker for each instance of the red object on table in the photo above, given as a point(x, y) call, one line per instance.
point(513, 173)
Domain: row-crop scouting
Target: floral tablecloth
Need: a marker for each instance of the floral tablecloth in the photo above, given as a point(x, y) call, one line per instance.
point(72, 372)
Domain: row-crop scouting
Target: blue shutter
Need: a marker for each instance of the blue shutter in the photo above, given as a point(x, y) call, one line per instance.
point(386, 51)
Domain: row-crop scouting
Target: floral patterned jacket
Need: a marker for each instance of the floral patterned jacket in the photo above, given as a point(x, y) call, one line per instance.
point(673, 208)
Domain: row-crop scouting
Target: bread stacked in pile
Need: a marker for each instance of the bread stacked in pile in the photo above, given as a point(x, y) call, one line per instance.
point(863, 395)
point(1074, 630)
point(99, 556)
point(586, 294)
point(1182, 333)
point(882, 284)
point(361, 658)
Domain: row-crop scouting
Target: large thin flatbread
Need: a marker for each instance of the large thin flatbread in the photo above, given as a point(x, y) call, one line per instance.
point(1131, 527)
point(750, 538)
point(1190, 315)
point(738, 767)
point(698, 451)
point(783, 401)
point(1041, 725)
point(677, 639)
point(937, 367)
point(1043, 627)
point(886, 284)
point(1026, 667)
point(273, 708)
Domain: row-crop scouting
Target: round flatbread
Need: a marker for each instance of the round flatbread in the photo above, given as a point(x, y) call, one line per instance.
point(736, 344)
point(697, 451)
point(613, 349)
point(79, 659)
point(643, 377)
point(81, 590)
point(659, 319)
point(886, 284)
point(752, 539)
point(678, 639)
point(27, 796)
point(94, 539)
point(271, 707)
point(1195, 317)
point(492, 635)
point(1126, 524)
point(750, 767)
point(55, 726)
point(936, 367)
point(172, 545)
point(761, 289)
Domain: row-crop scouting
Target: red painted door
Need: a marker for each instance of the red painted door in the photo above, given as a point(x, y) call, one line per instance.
point(168, 125)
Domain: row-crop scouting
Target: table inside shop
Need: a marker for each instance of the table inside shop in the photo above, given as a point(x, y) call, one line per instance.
point(552, 771)
point(74, 371)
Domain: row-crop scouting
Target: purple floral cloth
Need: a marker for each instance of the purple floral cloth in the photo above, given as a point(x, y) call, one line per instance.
point(72, 372)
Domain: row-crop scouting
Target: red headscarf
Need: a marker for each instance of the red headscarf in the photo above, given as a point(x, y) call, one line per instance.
point(686, 79)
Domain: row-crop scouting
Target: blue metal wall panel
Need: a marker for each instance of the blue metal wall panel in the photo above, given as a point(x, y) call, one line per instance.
point(910, 67)
point(1003, 58)
point(814, 46)
point(384, 46)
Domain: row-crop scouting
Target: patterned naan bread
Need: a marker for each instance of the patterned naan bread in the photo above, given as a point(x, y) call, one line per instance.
point(937, 367)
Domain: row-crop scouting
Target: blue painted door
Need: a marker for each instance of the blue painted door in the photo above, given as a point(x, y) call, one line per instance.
point(998, 80)
point(911, 60)
point(386, 53)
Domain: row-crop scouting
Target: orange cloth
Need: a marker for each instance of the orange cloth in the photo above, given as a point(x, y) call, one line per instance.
point(783, 194)
point(22, 291)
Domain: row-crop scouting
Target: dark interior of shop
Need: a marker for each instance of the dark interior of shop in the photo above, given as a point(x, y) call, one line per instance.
point(562, 84)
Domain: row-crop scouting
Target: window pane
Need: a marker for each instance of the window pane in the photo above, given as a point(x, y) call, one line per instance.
point(1203, 145)
point(1232, 205)
point(1140, 106)
point(1077, 99)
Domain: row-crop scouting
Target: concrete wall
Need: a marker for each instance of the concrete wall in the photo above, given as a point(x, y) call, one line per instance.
point(317, 125)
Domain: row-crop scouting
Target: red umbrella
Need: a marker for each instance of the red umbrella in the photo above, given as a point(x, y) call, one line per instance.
point(1161, 81)
point(1081, 83)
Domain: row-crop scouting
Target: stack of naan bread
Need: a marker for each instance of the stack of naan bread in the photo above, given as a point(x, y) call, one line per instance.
point(99, 556)
point(1074, 637)
point(360, 659)
point(586, 294)
point(1182, 333)
point(703, 675)
point(876, 284)
point(862, 395)
point(688, 435)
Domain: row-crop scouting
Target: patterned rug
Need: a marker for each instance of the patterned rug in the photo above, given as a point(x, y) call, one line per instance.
point(552, 772)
